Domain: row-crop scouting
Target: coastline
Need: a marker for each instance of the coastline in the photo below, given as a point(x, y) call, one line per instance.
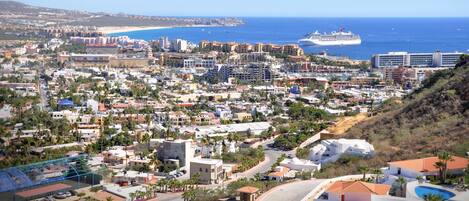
point(125, 29)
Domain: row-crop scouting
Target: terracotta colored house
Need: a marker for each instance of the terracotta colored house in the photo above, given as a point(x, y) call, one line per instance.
point(279, 173)
point(248, 193)
point(354, 191)
point(425, 167)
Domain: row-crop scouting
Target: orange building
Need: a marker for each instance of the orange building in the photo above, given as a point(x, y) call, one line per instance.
point(355, 191)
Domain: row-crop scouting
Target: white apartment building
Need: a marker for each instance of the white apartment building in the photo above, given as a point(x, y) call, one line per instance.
point(397, 59)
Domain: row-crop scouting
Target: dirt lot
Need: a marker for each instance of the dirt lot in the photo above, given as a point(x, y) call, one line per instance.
point(345, 123)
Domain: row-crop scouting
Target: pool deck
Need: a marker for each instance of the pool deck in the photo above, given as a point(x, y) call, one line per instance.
point(411, 195)
point(461, 196)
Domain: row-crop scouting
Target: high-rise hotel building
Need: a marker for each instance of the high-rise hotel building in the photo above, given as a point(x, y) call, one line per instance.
point(397, 59)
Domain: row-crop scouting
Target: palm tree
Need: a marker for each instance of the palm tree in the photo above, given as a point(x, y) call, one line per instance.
point(257, 176)
point(196, 178)
point(363, 170)
point(189, 195)
point(172, 184)
point(141, 194)
point(163, 185)
point(158, 186)
point(179, 185)
point(154, 188)
point(149, 192)
point(440, 165)
point(377, 173)
point(433, 197)
point(401, 181)
point(443, 158)
point(419, 179)
point(154, 161)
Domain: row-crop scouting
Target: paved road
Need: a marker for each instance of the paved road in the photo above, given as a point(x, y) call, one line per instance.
point(271, 157)
point(294, 191)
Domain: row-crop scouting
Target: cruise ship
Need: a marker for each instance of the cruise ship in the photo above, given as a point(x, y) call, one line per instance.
point(334, 38)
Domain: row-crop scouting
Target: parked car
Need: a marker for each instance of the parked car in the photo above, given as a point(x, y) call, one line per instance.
point(62, 195)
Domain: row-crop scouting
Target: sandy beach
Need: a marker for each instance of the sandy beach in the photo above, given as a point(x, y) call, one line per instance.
point(111, 30)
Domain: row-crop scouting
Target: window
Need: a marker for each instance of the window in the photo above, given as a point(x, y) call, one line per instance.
point(200, 169)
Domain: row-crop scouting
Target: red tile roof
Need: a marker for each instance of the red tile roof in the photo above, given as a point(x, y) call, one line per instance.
point(281, 173)
point(428, 164)
point(342, 187)
point(248, 189)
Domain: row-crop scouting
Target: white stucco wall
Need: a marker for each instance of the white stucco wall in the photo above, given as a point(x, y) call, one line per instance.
point(393, 170)
point(357, 197)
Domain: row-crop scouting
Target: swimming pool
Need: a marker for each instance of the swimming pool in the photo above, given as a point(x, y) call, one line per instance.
point(421, 191)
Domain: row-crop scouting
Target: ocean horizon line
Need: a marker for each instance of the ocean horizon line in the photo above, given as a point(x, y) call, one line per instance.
point(306, 17)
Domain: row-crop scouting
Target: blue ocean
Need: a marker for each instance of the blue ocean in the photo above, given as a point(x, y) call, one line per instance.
point(379, 35)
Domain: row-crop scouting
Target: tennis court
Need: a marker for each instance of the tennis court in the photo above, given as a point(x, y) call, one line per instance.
point(43, 190)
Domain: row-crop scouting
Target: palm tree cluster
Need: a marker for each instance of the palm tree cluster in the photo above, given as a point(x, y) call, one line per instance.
point(201, 194)
point(148, 193)
point(165, 185)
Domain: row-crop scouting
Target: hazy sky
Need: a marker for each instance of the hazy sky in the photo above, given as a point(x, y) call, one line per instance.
point(271, 8)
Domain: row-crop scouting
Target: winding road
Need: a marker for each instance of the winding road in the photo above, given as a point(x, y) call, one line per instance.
point(294, 191)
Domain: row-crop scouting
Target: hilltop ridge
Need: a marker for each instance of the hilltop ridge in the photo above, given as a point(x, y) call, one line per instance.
point(14, 12)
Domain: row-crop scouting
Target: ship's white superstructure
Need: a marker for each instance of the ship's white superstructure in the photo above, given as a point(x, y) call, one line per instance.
point(332, 39)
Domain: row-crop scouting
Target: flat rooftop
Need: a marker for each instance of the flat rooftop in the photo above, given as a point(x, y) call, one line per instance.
point(207, 161)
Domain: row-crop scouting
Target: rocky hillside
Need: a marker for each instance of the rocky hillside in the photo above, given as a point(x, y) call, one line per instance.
point(433, 118)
